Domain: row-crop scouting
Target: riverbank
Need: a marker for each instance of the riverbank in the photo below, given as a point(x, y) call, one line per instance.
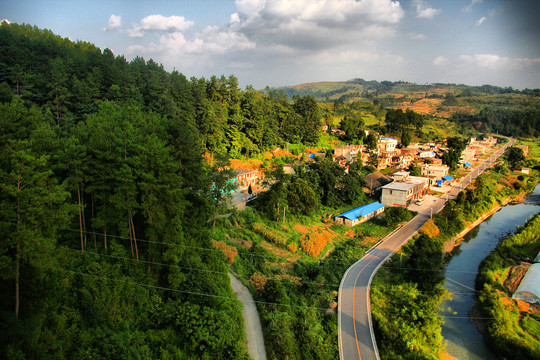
point(451, 244)
point(513, 328)
point(463, 329)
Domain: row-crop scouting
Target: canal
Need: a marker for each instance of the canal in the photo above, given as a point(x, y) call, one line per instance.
point(464, 342)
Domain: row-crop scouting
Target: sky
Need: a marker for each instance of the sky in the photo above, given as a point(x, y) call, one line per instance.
point(288, 42)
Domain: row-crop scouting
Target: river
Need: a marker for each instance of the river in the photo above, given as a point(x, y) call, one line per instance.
point(464, 342)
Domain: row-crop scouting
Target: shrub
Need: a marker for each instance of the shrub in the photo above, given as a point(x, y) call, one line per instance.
point(230, 252)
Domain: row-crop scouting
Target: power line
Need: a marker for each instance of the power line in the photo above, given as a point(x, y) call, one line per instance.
point(196, 269)
point(237, 299)
point(249, 254)
point(299, 280)
point(161, 243)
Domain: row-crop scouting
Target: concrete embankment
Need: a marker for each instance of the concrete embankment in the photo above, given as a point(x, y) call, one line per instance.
point(456, 240)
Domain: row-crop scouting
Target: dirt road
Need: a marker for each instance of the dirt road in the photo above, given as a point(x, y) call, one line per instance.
point(252, 323)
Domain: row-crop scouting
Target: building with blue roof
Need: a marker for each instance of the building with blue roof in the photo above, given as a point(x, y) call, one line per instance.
point(360, 214)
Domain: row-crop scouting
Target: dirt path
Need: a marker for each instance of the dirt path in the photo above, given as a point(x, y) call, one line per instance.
point(252, 323)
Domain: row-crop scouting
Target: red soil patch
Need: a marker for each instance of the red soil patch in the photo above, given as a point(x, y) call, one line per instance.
point(301, 228)
point(280, 252)
point(522, 305)
point(239, 164)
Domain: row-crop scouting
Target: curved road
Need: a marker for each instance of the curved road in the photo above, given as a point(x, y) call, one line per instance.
point(356, 338)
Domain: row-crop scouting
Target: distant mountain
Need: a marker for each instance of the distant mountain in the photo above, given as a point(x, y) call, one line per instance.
point(360, 88)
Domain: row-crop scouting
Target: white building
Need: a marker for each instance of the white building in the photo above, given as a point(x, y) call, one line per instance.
point(387, 144)
point(434, 171)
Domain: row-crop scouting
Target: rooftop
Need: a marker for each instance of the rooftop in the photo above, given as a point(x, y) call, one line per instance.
point(362, 211)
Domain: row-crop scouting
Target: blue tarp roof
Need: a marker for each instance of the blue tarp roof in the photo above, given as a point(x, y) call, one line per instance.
point(467, 164)
point(439, 182)
point(311, 155)
point(362, 211)
point(447, 177)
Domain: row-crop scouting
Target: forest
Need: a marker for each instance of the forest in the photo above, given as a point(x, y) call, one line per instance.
point(111, 247)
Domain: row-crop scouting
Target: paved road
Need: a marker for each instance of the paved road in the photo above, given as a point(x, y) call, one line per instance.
point(356, 338)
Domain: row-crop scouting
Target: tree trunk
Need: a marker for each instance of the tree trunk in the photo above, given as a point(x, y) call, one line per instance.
point(83, 216)
point(130, 236)
point(80, 219)
point(105, 237)
point(134, 237)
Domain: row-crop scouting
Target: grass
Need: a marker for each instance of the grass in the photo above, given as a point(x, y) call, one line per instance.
point(534, 148)
point(531, 324)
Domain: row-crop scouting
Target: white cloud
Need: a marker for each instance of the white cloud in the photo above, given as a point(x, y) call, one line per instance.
point(469, 7)
point(215, 41)
point(115, 21)
point(305, 24)
point(440, 60)
point(480, 21)
point(5, 21)
point(487, 62)
point(160, 23)
point(423, 11)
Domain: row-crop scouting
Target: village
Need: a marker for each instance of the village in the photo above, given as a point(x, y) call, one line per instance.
point(393, 181)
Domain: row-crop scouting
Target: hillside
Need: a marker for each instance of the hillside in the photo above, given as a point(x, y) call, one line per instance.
point(442, 100)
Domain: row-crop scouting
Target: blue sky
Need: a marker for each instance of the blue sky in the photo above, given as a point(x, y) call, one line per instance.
point(288, 42)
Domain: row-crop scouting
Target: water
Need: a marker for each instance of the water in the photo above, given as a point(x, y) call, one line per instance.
point(463, 339)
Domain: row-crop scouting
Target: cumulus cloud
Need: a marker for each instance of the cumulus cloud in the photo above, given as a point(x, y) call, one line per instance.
point(440, 60)
point(306, 24)
point(209, 42)
point(423, 11)
point(160, 23)
point(115, 21)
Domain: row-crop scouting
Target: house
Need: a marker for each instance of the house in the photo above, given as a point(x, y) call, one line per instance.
point(375, 180)
point(468, 155)
point(360, 214)
point(404, 190)
point(384, 160)
point(430, 170)
point(248, 177)
point(387, 144)
point(349, 152)
point(427, 154)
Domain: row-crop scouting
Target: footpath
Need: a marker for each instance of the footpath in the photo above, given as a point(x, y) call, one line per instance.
point(252, 323)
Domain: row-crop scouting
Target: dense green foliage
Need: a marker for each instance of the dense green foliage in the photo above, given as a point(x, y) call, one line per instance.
point(405, 305)
point(512, 334)
point(105, 202)
point(71, 79)
point(322, 182)
point(523, 121)
point(393, 216)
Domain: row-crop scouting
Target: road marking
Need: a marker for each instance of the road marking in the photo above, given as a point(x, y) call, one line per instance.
point(354, 306)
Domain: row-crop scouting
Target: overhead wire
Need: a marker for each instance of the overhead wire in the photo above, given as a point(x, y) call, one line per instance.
point(256, 255)
point(277, 277)
point(163, 288)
